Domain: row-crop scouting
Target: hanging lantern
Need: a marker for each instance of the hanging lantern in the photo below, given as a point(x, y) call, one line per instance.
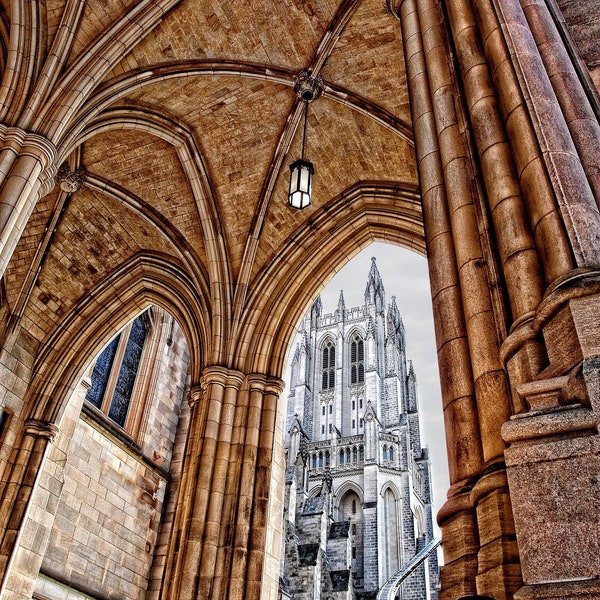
point(301, 171)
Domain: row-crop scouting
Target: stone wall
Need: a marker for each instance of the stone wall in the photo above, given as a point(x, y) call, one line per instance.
point(96, 514)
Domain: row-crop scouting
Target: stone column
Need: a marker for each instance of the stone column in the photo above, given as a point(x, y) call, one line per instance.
point(552, 460)
point(17, 490)
point(558, 153)
point(448, 152)
point(210, 426)
point(221, 521)
point(27, 168)
point(457, 518)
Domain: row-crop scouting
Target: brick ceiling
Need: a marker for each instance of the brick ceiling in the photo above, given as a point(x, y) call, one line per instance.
point(188, 136)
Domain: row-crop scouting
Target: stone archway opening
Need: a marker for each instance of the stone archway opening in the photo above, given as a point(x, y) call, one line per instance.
point(404, 276)
point(103, 509)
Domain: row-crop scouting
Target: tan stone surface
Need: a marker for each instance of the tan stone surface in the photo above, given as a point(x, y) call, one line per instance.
point(184, 116)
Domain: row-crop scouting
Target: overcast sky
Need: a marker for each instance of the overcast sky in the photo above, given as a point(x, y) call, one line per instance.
point(405, 276)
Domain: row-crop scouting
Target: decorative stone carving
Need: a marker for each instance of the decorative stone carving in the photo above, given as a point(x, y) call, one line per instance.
point(70, 181)
point(306, 87)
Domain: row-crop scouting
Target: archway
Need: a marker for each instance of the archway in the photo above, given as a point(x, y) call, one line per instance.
point(114, 468)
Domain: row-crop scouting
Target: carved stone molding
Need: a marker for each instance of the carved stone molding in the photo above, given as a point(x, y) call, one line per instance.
point(68, 180)
point(308, 88)
point(40, 429)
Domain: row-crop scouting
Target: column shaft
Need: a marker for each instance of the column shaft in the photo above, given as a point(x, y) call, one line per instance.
point(18, 488)
point(26, 171)
point(457, 517)
point(550, 167)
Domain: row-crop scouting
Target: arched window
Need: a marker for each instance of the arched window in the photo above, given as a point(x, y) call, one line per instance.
point(361, 453)
point(354, 454)
point(357, 360)
point(341, 457)
point(391, 453)
point(314, 461)
point(347, 455)
point(351, 510)
point(391, 535)
point(328, 367)
point(320, 459)
point(115, 371)
point(327, 458)
point(385, 453)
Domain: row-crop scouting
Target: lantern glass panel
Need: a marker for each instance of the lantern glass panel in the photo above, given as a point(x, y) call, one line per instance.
point(301, 173)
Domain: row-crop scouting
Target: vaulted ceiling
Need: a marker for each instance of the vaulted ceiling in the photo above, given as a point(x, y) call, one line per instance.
point(184, 117)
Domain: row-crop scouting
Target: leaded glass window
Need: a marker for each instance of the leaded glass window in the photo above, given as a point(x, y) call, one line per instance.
point(328, 366)
point(101, 373)
point(115, 371)
point(128, 372)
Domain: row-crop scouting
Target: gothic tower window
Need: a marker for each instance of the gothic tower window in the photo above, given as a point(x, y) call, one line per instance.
point(391, 534)
point(328, 366)
point(350, 509)
point(357, 360)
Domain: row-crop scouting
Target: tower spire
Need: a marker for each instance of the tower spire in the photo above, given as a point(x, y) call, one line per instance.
point(374, 292)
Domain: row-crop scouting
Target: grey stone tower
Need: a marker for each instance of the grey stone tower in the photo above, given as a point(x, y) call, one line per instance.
point(358, 490)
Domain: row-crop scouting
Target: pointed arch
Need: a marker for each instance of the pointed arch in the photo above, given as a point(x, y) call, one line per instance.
point(384, 212)
point(90, 325)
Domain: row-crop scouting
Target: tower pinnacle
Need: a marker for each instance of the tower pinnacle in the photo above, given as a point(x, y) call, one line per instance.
point(374, 292)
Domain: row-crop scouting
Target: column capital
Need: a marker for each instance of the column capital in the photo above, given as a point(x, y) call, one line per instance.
point(27, 142)
point(40, 429)
point(38, 147)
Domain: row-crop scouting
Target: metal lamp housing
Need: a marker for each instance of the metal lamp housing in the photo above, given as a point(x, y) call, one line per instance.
point(301, 172)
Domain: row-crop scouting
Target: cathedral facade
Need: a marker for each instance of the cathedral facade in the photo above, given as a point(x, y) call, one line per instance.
point(355, 464)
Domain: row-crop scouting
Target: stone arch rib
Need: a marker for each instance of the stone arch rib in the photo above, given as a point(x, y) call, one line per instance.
point(144, 280)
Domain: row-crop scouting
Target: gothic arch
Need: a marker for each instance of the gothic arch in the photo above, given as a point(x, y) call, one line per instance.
point(145, 280)
point(328, 242)
point(4, 39)
point(329, 338)
point(348, 486)
point(390, 485)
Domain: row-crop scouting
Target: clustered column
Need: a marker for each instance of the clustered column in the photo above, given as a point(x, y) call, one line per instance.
point(27, 169)
point(535, 173)
point(25, 468)
point(220, 529)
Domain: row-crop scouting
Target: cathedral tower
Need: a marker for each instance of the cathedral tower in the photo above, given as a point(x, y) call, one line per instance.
point(358, 494)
